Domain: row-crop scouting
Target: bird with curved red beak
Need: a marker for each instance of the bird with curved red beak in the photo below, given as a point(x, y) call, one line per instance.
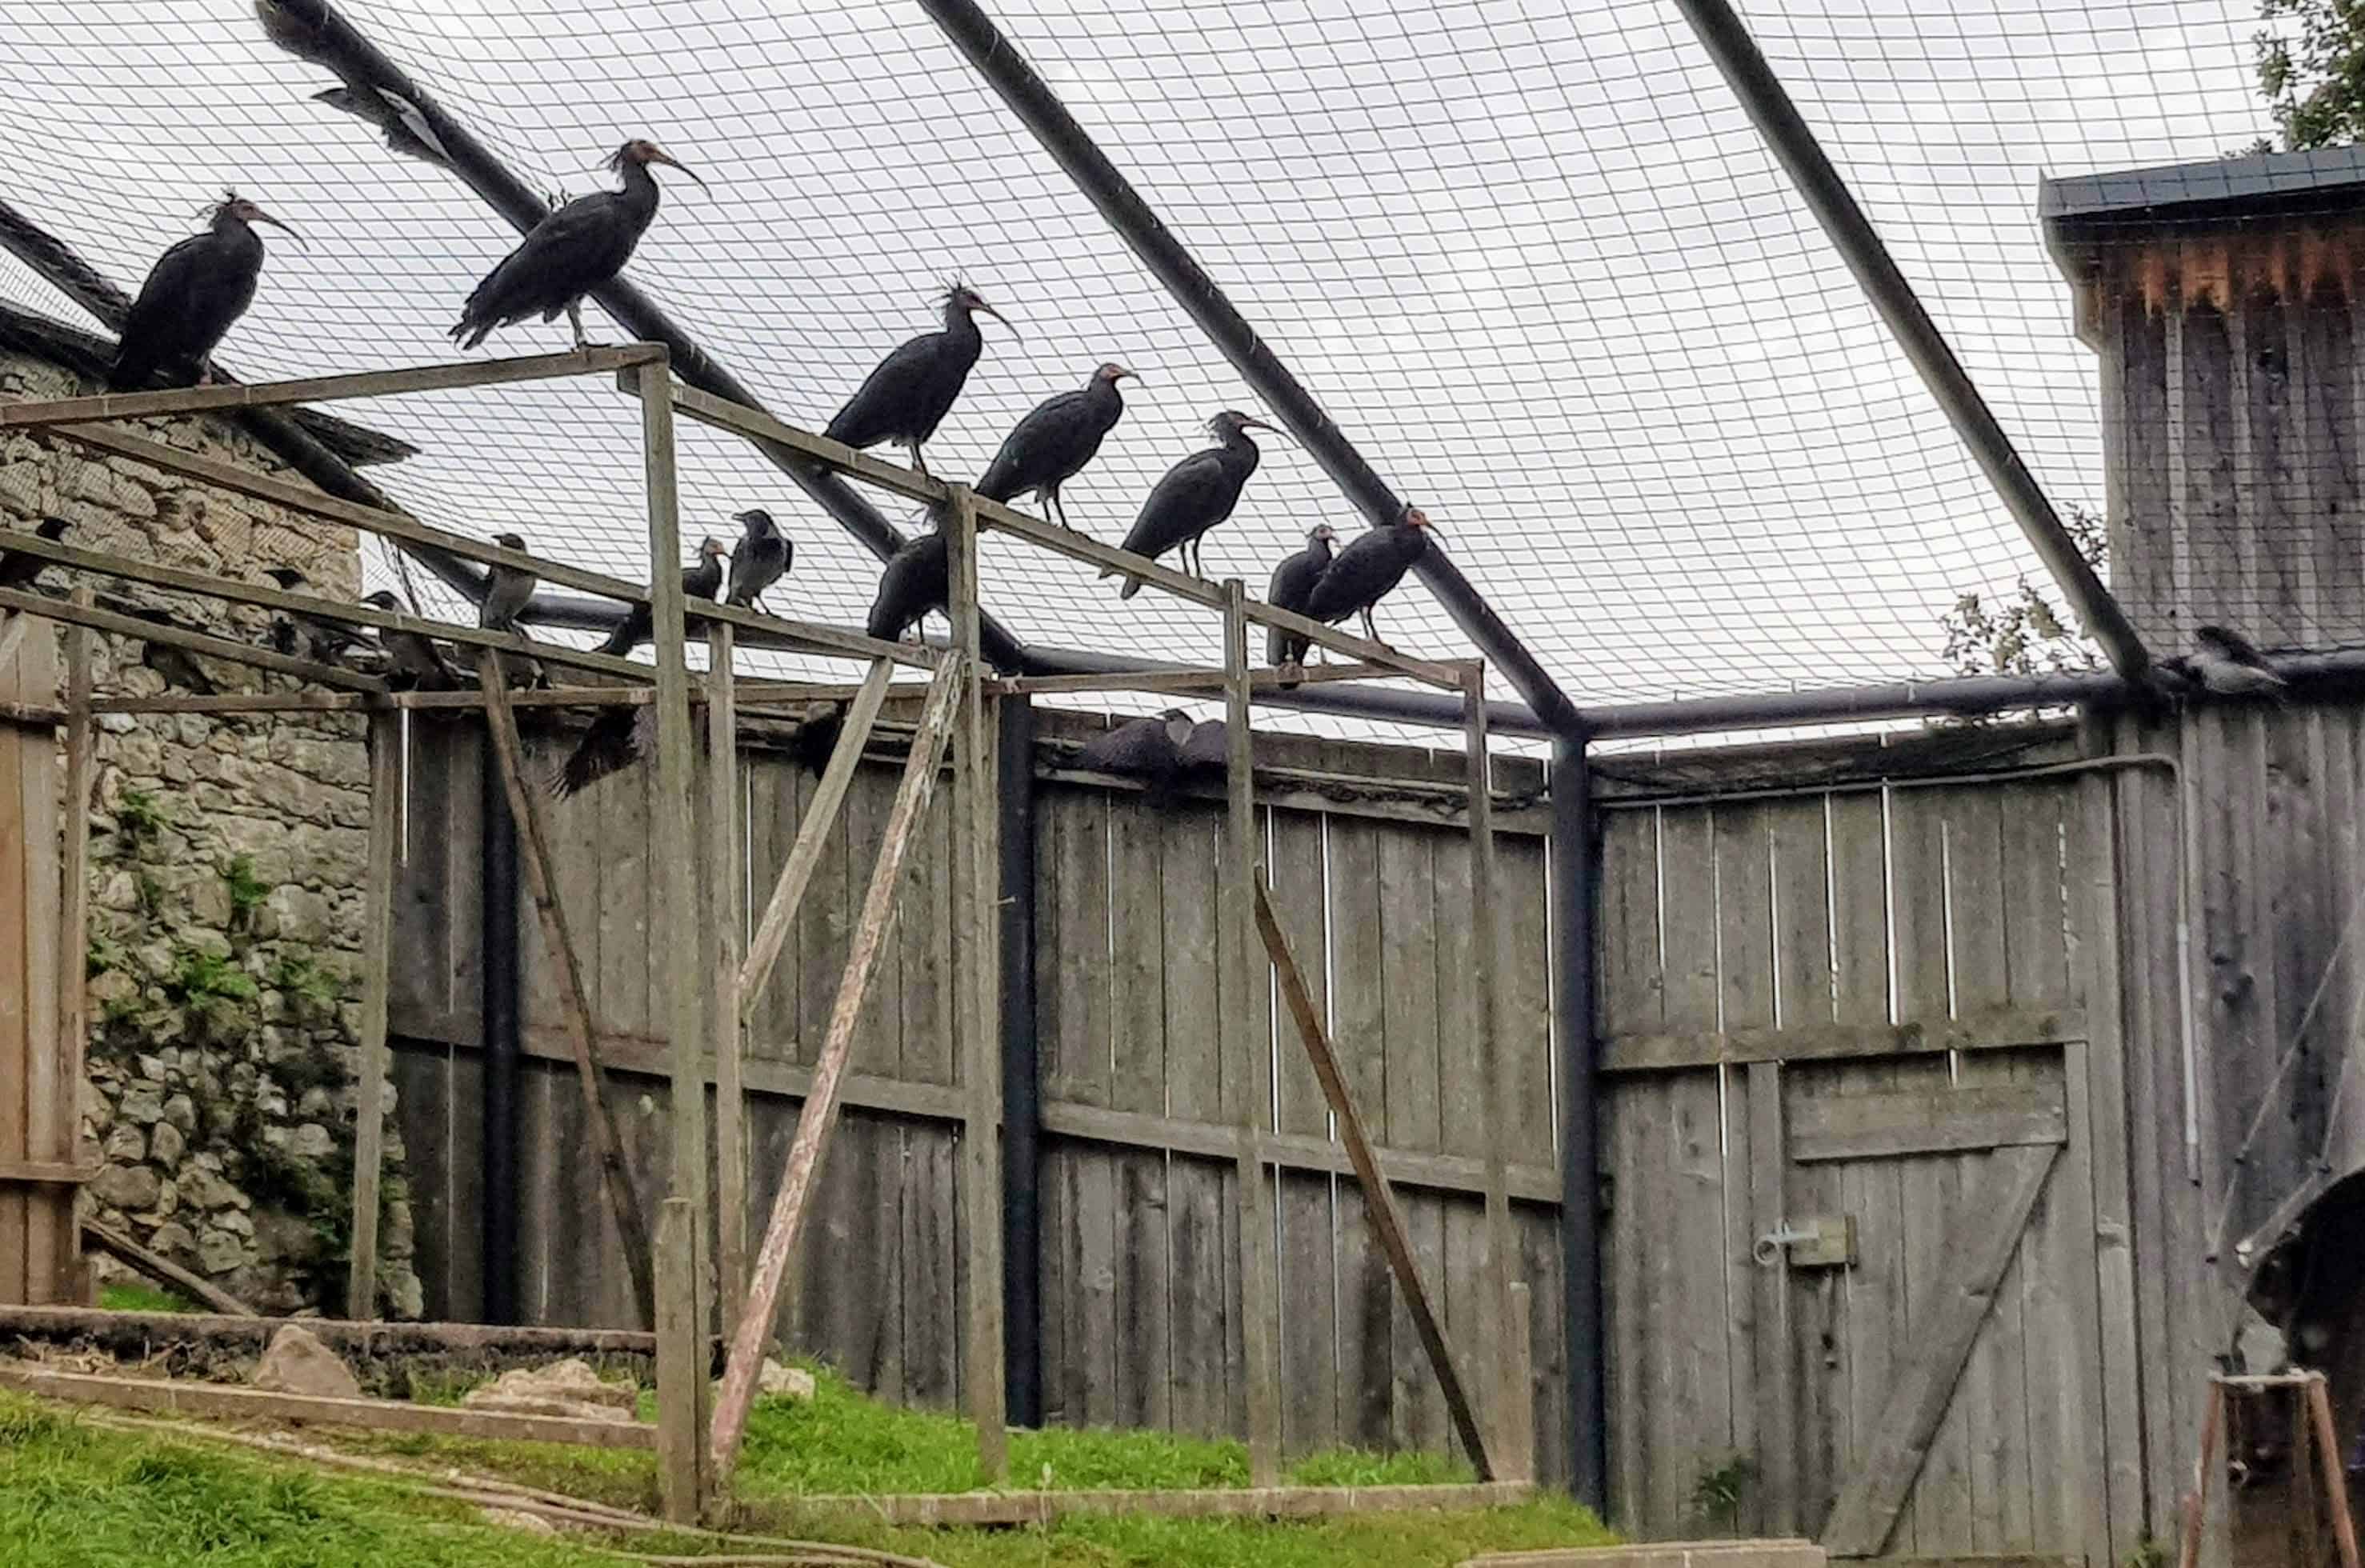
point(1194, 495)
point(1053, 443)
point(193, 295)
point(1368, 570)
point(911, 390)
point(576, 251)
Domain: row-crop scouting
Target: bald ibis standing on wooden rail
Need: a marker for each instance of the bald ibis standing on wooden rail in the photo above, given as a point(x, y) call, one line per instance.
point(193, 294)
point(915, 580)
point(1194, 495)
point(703, 580)
point(413, 662)
point(1368, 569)
point(1293, 585)
point(507, 589)
point(308, 636)
point(761, 558)
point(914, 388)
point(577, 249)
point(19, 570)
point(1052, 444)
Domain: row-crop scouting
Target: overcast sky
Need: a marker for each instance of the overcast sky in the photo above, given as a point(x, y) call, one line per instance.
point(1529, 255)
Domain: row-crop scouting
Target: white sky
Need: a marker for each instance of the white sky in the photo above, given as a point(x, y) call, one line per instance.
point(1530, 256)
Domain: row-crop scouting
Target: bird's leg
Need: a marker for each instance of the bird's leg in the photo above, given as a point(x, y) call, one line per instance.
point(1049, 497)
point(575, 316)
point(919, 463)
point(1372, 630)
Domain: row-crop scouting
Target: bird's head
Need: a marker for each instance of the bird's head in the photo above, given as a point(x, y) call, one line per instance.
point(757, 521)
point(1232, 422)
point(1178, 725)
point(53, 529)
point(710, 549)
point(2224, 642)
point(288, 578)
point(639, 154)
point(1112, 373)
point(235, 208)
point(509, 541)
point(1414, 518)
point(1322, 534)
point(383, 600)
point(961, 297)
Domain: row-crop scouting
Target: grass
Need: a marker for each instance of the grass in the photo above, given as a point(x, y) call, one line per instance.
point(124, 1296)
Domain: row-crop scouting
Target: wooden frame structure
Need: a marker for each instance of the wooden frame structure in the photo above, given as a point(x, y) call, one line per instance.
point(675, 1286)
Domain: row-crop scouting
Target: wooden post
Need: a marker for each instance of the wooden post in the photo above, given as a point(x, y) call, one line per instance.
point(682, 957)
point(2327, 1455)
point(976, 922)
point(680, 1366)
point(1515, 1456)
point(819, 1114)
point(377, 921)
point(74, 922)
point(1379, 1196)
point(37, 1127)
point(1494, 1091)
point(534, 843)
point(724, 873)
point(1239, 881)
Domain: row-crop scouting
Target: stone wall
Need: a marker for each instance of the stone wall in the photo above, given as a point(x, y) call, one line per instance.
point(226, 863)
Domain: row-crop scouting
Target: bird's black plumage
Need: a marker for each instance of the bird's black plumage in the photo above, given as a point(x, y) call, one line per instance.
point(703, 580)
point(1053, 443)
point(412, 660)
point(178, 666)
point(308, 636)
point(1368, 569)
point(815, 737)
point(913, 582)
point(1293, 583)
point(580, 248)
point(1148, 749)
point(761, 558)
point(614, 740)
point(508, 590)
point(194, 292)
point(19, 570)
point(1194, 495)
point(1207, 754)
point(908, 396)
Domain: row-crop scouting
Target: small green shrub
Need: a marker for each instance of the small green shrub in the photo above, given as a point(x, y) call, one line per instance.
point(139, 816)
point(198, 976)
point(247, 890)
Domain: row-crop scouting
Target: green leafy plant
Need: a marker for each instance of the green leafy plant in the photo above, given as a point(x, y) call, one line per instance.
point(2021, 633)
point(2310, 60)
point(103, 954)
point(1717, 1494)
point(139, 816)
point(301, 976)
point(198, 976)
point(247, 890)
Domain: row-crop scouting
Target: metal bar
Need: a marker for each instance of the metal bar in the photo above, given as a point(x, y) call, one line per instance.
point(725, 876)
point(221, 648)
point(1728, 42)
point(502, 1004)
point(377, 931)
point(998, 61)
point(1572, 856)
point(1022, 1086)
point(325, 388)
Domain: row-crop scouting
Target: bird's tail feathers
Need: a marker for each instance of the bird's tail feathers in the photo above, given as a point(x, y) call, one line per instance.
point(1132, 586)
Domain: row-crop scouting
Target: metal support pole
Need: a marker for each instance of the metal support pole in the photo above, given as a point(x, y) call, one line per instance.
point(503, 1047)
point(1005, 70)
point(1727, 40)
point(1573, 856)
point(1021, 1088)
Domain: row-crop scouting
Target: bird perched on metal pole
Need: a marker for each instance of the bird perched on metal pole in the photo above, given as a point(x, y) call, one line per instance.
point(913, 582)
point(1194, 495)
point(914, 388)
point(703, 580)
point(413, 662)
point(325, 641)
point(1368, 569)
point(1293, 585)
point(2227, 665)
point(195, 290)
point(577, 249)
point(507, 589)
point(1053, 443)
point(761, 558)
point(19, 570)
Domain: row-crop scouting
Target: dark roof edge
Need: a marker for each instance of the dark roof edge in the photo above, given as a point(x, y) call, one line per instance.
point(2255, 183)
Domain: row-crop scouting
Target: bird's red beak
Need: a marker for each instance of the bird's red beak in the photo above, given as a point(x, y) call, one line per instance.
point(659, 156)
point(1416, 517)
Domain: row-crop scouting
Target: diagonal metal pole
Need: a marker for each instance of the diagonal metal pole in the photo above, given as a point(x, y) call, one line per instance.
point(997, 60)
point(1727, 39)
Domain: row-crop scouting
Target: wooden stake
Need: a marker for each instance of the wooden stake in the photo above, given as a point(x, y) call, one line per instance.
point(377, 928)
point(1379, 1196)
point(117, 1245)
point(977, 976)
point(812, 835)
point(681, 1367)
point(1495, 1091)
point(533, 841)
point(2335, 1484)
point(73, 923)
point(725, 871)
point(819, 1114)
point(1237, 882)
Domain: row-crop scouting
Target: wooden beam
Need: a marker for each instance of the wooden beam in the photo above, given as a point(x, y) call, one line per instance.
point(1889, 1125)
point(58, 1100)
point(2329, 1458)
point(1186, 682)
point(812, 835)
point(1379, 1198)
point(725, 874)
point(819, 1116)
point(2005, 1029)
point(986, 1510)
point(387, 809)
point(174, 1397)
point(763, 428)
point(679, 1365)
point(97, 619)
point(826, 641)
point(756, 695)
point(445, 377)
point(1237, 882)
point(47, 1173)
point(117, 1245)
point(1997, 1211)
point(1495, 1089)
point(31, 715)
point(534, 840)
point(977, 885)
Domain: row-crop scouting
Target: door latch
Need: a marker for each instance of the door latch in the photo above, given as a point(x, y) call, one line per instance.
point(1811, 1243)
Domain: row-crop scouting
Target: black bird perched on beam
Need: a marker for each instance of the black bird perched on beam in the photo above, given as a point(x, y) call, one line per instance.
point(507, 589)
point(1148, 749)
point(577, 249)
point(915, 580)
point(1207, 754)
point(1293, 585)
point(193, 294)
point(913, 390)
point(761, 558)
point(413, 662)
point(702, 581)
point(177, 665)
point(1368, 569)
point(2227, 664)
point(1052, 444)
point(1193, 495)
point(19, 570)
point(307, 635)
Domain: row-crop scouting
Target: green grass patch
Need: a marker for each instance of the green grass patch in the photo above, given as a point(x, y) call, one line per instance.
point(126, 1295)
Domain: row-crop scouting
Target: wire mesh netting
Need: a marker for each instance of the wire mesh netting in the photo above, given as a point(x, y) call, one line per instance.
point(1534, 258)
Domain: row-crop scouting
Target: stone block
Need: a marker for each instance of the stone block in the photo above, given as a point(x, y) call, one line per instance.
point(296, 1363)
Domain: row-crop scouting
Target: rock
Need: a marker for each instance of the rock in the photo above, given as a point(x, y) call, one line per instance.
point(777, 1382)
point(169, 1145)
point(126, 1187)
point(312, 1141)
point(297, 1362)
point(125, 1145)
point(568, 1388)
point(219, 1252)
point(182, 1111)
point(514, 1519)
point(144, 1103)
point(407, 1294)
point(173, 1240)
point(152, 1067)
point(205, 1188)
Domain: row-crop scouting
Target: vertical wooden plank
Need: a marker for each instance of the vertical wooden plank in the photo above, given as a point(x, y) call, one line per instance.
point(930, 1242)
point(1141, 997)
point(1746, 998)
point(1871, 1300)
point(377, 933)
point(680, 1362)
point(1627, 1001)
point(1259, 1298)
point(23, 889)
point(2324, 373)
point(1799, 1430)
point(725, 871)
point(1310, 1415)
point(1191, 1323)
point(1366, 1294)
point(1506, 1326)
point(74, 945)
